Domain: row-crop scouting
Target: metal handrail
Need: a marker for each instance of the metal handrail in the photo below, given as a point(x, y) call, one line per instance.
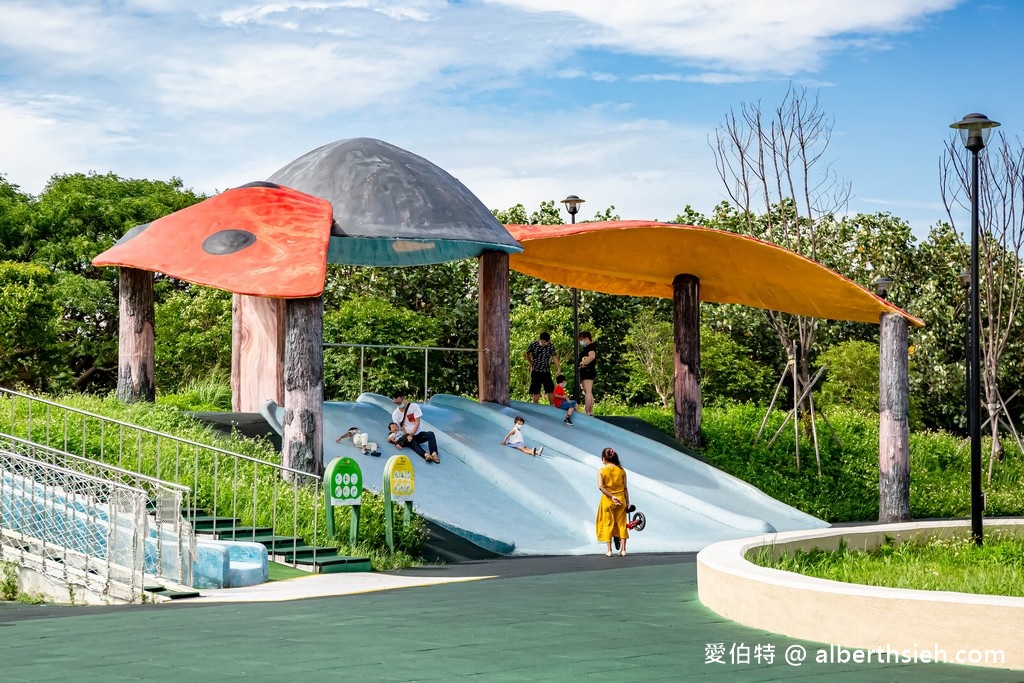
point(297, 479)
point(66, 523)
point(426, 358)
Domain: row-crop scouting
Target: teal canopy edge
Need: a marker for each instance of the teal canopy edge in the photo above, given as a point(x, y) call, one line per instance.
point(390, 251)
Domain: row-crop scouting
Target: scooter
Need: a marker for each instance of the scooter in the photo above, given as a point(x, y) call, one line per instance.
point(636, 522)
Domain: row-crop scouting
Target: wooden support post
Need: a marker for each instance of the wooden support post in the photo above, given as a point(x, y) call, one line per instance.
point(493, 323)
point(302, 441)
point(894, 431)
point(257, 352)
point(135, 350)
point(686, 320)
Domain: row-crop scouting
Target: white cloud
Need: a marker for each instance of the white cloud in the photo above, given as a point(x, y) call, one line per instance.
point(747, 36)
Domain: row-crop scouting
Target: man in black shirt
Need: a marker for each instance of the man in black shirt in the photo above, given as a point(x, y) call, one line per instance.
point(539, 355)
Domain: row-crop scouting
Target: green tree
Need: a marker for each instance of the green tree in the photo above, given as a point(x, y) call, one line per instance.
point(729, 373)
point(76, 217)
point(31, 353)
point(650, 356)
point(1000, 190)
point(371, 320)
point(851, 376)
point(193, 337)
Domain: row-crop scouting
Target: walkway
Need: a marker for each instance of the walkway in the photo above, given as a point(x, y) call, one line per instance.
point(634, 618)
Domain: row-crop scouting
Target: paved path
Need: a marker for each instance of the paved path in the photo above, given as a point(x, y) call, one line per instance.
point(546, 619)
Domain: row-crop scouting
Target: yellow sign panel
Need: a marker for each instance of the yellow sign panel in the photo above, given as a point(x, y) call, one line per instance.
point(401, 478)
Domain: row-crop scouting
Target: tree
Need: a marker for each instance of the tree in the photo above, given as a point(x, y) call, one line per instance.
point(1001, 274)
point(371, 320)
point(772, 164)
point(31, 353)
point(650, 347)
point(193, 337)
point(852, 377)
point(773, 167)
point(76, 217)
point(729, 371)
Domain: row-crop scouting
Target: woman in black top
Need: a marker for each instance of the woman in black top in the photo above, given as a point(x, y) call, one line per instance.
point(588, 370)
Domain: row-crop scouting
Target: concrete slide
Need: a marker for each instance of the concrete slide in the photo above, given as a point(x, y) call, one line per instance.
point(512, 503)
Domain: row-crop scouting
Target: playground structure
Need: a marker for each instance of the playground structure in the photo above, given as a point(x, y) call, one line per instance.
point(513, 504)
point(392, 208)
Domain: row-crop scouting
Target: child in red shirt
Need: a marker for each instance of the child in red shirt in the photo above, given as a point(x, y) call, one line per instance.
point(561, 399)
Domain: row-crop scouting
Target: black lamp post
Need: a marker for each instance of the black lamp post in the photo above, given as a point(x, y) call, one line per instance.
point(965, 280)
point(572, 205)
point(974, 131)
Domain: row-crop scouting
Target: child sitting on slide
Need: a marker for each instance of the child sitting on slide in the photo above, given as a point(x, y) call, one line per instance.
point(514, 439)
point(360, 440)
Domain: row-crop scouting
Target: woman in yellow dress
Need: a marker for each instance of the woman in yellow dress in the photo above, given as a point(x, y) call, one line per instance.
point(611, 512)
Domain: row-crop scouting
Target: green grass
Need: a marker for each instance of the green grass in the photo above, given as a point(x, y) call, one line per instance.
point(939, 564)
point(282, 572)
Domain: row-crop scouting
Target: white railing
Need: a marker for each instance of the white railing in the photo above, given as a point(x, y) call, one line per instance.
point(79, 530)
point(172, 550)
point(237, 489)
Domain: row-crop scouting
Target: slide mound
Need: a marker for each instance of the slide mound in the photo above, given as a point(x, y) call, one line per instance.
point(517, 504)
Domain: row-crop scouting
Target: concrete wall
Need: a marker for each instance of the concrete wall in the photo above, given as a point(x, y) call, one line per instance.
point(857, 616)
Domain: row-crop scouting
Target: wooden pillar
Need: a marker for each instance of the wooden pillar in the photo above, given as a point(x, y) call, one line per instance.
point(257, 352)
point(686, 324)
point(493, 324)
point(894, 430)
point(135, 350)
point(302, 441)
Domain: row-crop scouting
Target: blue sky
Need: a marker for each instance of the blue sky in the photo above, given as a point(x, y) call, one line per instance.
point(522, 100)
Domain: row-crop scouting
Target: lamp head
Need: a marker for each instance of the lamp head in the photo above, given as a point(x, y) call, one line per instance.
point(882, 285)
point(965, 278)
point(974, 131)
point(572, 204)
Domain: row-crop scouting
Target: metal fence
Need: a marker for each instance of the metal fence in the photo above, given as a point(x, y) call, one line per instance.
point(247, 495)
point(426, 359)
point(172, 549)
point(75, 528)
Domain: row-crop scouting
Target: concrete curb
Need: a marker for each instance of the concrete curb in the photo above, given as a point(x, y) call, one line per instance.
point(896, 623)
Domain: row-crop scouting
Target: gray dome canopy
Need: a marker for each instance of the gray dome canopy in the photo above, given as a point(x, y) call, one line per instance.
point(393, 208)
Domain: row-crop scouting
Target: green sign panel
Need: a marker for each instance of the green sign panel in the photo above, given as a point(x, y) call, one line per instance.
point(343, 482)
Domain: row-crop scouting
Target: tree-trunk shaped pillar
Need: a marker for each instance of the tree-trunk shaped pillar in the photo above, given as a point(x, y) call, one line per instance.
point(894, 430)
point(135, 350)
point(686, 323)
point(257, 352)
point(493, 324)
point(302, 441)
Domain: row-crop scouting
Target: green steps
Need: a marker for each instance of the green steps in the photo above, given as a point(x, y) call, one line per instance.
point(288, 550)
point(333, 564)
point(302, 553)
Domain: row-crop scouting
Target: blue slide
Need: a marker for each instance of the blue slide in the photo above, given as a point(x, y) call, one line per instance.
point(518, 504)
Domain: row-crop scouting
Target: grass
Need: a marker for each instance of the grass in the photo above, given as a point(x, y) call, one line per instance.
point(282, 572)
point(952, 563)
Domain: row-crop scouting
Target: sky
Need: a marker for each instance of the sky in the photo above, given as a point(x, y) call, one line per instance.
point(522, 100)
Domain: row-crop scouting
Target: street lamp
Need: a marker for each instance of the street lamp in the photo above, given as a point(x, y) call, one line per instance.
point(974, 131)
point(572, 205)
point(882, 285)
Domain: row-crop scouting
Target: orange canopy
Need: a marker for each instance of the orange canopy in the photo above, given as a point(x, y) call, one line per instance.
point(642, 258)
point(260, 239)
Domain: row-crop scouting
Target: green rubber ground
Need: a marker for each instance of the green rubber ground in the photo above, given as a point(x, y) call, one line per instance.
point(635, 623)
